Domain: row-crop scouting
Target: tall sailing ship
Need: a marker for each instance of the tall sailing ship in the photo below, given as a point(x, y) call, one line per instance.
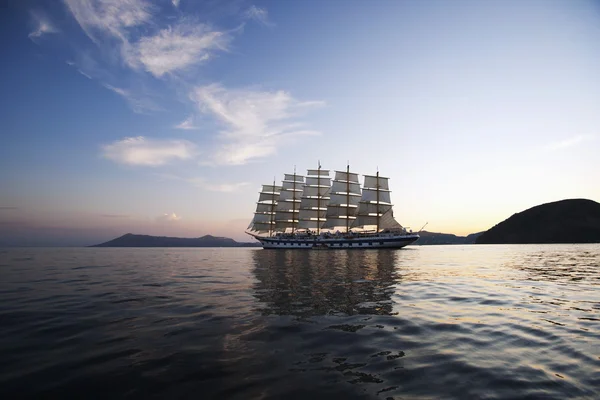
point(317, 212)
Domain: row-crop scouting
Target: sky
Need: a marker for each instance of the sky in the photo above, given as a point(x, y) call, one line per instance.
point(165, 117)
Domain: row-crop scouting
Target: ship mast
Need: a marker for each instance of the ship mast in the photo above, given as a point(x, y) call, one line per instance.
point(271, 222)
point(377, 211)
point(318, 198)
point(263, 221)
point(294, 204)
point(348, 195)
point(375, 206)
point(314, 199)
point(344, 198)
point(286, 213)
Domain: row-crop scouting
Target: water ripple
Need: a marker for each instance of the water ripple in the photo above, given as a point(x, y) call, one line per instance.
point(494, 322)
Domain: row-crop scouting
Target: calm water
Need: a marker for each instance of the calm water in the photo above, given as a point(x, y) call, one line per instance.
point(422, 322)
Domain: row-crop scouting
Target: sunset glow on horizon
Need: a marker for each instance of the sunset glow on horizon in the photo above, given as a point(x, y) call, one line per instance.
point(165, 117)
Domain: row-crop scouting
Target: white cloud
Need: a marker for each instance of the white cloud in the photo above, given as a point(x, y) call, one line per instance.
point(175, 48)
point(258, 14)
point(226, 187)
point(168, 217)
point(256, 122)
point(187, 124)
point(570, 142)
point(84, 74)
point(111, 17)
point(175, 3)
point(72, 64)
point(204, 184)
point(148, 152)
point(117, 90)
point(170, 50)
point(137, 103)
point(43, 25)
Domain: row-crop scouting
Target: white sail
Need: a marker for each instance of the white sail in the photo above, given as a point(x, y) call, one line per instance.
point(282, 225)
point(314, 191)
point(387, 221)
point(271, 189)
point(346, 176)
point(293, 178)
point(318, 181)
point(262, 228)
point(375, 207)
point(345, 187)
point(264, 208)
point(344, 197)
point(291, 185)
point(318, 172)
point(373, 195)
point(308, 203)
point(264, 217)
point(288, 205)
point(365, 220)
point(340, 212)
point(268, 197)
point(374, 182)
point(318, 202)
point(290, 195)
point(315, 197)
point(339, 223)
point(310, 224)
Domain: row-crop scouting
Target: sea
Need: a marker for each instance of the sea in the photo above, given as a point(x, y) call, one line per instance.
point(423, 322)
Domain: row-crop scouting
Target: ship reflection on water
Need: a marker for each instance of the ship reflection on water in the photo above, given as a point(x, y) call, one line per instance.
point(312, 283)
point(451, 322)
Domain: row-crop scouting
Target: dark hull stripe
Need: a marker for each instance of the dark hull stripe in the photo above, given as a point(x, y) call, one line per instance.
point(331, 243)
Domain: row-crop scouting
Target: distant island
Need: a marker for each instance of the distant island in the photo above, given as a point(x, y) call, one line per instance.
point(565, 221)
point(432, 238)
point(132, 240)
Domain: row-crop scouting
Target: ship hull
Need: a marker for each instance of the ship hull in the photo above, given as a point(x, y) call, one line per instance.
point(348, 242)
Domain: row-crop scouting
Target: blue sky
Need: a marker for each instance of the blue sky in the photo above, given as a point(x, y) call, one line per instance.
point(165, 117)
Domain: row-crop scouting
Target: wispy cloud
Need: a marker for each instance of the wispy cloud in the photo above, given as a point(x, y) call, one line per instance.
point(172, 49)
point(187, 124)
point(148, 152)
point(176, 48)
point(85, 63)
point(256, 122)
point(129, 33)
point(258, 14)
point(226, 187)
point(137, 103)
point(117, 90)
point(72, 64)
point(112, 17)
point(570, 142)
point(84, 74)
point(168, 217)
point(42, 25)
point(204, 184)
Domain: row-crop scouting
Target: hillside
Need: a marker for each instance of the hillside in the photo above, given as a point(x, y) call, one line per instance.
point(432, 238)
point(132, 240)
point(565, 221)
